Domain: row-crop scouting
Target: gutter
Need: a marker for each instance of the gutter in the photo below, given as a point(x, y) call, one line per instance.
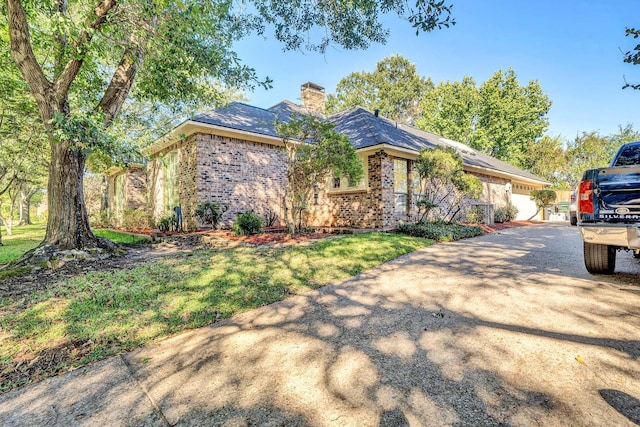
point(413, 154)
point(190, 127)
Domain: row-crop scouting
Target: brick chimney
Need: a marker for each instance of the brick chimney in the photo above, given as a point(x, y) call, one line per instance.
point(312, 97)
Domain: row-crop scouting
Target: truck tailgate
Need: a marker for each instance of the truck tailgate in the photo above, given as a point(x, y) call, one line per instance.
point(618, 191)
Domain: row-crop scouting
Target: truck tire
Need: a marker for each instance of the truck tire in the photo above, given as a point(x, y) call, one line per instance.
point(599, 259)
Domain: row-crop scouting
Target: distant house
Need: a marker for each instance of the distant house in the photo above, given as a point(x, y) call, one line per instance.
point(235, 156)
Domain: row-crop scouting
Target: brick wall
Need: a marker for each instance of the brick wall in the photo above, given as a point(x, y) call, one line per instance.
point(187, 179)
point(493, 190)
point(241, 174)
point(134, 191)
point(370, 208)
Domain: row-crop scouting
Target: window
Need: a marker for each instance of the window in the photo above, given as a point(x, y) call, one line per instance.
point(400, 185)
point(629, 157)
point(171, 197)
point(343, 183)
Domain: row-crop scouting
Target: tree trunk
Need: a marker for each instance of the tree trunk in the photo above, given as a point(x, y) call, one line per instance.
point(68, 225)
point(104, 197)
point(25, 205)
point(1, 223)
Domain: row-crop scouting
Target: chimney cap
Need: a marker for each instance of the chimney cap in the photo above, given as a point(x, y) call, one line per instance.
point(309, 85)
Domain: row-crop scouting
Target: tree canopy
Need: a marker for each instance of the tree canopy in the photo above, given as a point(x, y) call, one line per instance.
point(500, 117)
point(632, 56)
point(394, 88)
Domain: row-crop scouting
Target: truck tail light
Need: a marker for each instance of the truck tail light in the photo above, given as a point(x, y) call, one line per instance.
point(585, 197)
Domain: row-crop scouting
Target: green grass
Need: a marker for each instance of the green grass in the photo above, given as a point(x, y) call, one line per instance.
point(22, 239)
point(28, 237)
point(123, 238)
point(104, 313)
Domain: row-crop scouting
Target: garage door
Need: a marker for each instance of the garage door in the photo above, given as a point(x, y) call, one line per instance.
point(526, 206)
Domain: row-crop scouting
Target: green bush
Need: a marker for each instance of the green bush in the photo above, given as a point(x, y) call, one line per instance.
point(247, 224)
point(134, 219)
point(99, 219)
point(475, 215)
point(166, 222)
point(500, 215)
point(210, 213)
point(512, 212)
point(440, 231)
point(505, 214)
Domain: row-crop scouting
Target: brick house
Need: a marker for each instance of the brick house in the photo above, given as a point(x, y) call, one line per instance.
point(235, 156)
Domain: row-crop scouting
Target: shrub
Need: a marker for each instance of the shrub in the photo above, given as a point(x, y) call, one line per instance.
point(166, 222)
point(511, 212)
point(440, 231)
point(248, 223)
point(475, 215)
point(210, 213)
point(505, 213)
point(500, 215)
point(270, 218)
point(99, 219)
point(134, 218)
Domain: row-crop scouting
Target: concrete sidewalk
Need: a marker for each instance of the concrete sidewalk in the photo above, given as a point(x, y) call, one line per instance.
point(505, 329)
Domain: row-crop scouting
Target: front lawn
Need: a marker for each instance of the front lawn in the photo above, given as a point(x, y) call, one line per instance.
point(27, 237)
point(98, 314)
point(22, 239)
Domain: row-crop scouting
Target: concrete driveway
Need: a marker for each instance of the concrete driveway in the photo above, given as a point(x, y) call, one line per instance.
point(505, 329)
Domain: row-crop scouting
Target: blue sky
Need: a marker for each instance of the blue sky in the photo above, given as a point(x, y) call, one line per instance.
point(572, 47)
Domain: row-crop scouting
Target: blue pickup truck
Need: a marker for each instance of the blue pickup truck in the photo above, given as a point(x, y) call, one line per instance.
point(608, 210)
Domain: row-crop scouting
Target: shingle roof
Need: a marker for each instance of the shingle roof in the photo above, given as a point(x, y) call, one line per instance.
point(364, 130)
point(241, 116)
point(362, 127)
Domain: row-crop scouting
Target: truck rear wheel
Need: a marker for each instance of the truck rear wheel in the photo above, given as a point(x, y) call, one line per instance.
point(599, 259)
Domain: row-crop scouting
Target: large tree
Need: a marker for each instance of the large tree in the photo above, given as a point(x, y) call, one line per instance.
point(500, 117)
point(451, 110)
point(394, 88)
point(81, 60)
point(587, 151)
point(547, 158)
point(23, 156)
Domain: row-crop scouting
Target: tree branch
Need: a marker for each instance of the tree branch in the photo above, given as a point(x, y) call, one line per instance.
point(25, 58)
point(68, 75)
point(120, 83)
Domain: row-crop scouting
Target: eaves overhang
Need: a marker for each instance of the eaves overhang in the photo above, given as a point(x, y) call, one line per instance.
point(191, 127)
point(410, 154)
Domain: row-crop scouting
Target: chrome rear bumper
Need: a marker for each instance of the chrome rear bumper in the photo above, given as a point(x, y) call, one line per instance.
point(624, 235)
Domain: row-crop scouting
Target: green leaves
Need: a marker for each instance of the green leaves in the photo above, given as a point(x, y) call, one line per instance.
point(543, 198)
point(500, 117)
point(632, 56)
point(443, 183)
point(394, 88)
point(313, 25)
point(314, 151)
